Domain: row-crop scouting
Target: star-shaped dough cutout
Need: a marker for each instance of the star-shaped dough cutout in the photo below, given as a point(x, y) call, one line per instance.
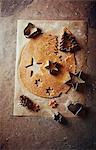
point(75, 80)
point(33, 66)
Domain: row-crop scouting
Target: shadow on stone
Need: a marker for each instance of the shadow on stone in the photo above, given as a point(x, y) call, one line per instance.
point(84, 113)
point(92, 15)
point(82, 87)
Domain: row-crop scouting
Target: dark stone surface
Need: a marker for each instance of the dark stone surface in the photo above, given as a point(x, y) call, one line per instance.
point(29, 133)
point(9, 7)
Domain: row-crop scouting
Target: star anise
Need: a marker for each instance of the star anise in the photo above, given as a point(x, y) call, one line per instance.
point(75, 80)
point(31, 31)
point(68, 42)
point(53, 67)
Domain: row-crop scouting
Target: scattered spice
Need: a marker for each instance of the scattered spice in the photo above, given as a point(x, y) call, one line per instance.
point(27, 102)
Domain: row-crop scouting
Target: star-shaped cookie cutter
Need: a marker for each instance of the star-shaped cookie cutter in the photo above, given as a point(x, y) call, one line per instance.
point(53, 67)
point(75, 80)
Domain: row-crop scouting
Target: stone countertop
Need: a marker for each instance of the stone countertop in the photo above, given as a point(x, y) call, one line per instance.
point(30, 133)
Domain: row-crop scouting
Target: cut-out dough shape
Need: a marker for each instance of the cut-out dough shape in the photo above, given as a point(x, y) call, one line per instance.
point(37, 82)
point(42, 49)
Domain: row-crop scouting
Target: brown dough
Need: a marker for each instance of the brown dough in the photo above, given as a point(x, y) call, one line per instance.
point(36, 78)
